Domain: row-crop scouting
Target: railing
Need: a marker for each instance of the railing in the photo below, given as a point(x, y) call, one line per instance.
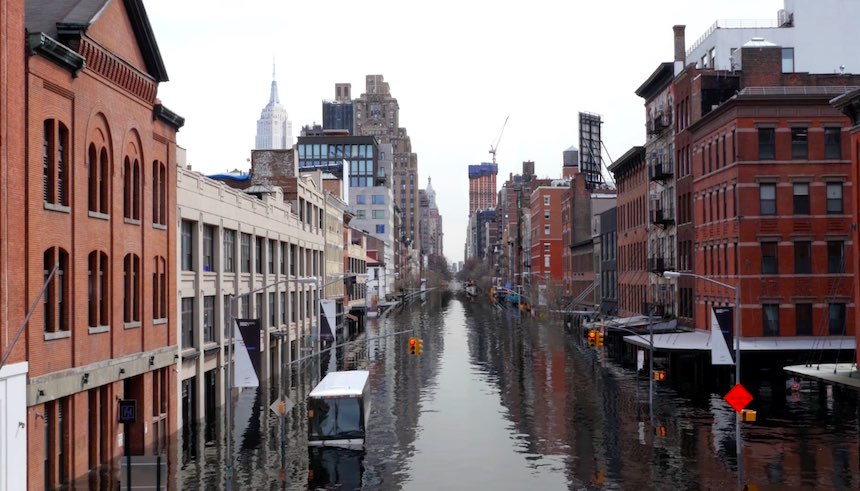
point(655, 309)
point(662, 216)
point(733, 24)
point(660, 166)
point(803, 90)
point(658, 264)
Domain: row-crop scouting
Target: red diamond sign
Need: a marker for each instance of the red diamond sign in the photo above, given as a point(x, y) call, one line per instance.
point(738, 397)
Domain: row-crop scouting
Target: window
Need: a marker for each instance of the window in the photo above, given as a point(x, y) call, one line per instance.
point(246, 253)
point(835, 256)
point(803, 319)
point(208, 248)
point(283, 258)
point(378, 199)
point(283, 307)
point(546, 200)
point(131, 288)
point(546, 214)
point(97, 289)
point(770, 319)
point(187, 245)
point(767, 199)
point(131, 189)
point(99, 178)
point(766, 144)
point(272, 317)
point(801, 199)
point(799, 143)
point(769, 258)
point(188, 339)
point(836, 319)
point(56, 295)
point(159, 193)
point(55, 163)
point(361, 199)
point(360, 214)
point(803, 257)
point(209, 319)
point(787, 60)
point(229, 250)
point(834, 198)
point(258, 255)
point(546, 247)
point(546, 229)
point(832, 143)
point(258, 306)
point(159, 288)
point(379, 214)
point(271, 256)
point(380, 229)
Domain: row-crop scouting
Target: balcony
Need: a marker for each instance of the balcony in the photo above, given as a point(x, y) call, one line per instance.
point(655, 309)
point(660, 167)
point(663, 216)
point(658, 123)
point(659, 264)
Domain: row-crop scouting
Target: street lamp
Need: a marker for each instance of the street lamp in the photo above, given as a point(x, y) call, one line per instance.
point(233, 301)
point(737, 335)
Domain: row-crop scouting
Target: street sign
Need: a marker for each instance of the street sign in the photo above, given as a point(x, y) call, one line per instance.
point(282, 406)
point(128, 411)
point(738, 397)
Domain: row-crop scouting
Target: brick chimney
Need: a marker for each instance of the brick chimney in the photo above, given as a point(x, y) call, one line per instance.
point(761, 64)
point(680, 48)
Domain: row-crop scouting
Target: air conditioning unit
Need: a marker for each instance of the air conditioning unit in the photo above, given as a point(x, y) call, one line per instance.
point(783, 18)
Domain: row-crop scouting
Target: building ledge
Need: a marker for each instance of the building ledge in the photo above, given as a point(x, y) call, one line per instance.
point(158, 322)
point(58, 208)
point(98, 329)
point(42, 44)
point(131, 325)
point(50, 336)
point(100, 216)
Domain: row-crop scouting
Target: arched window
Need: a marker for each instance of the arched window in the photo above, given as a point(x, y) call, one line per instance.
point(55, 163)
point(99, 178)
point(131, 194)
point(159, 288)
point(131, 288)
point(56, 299)
point(97, 289)
point(159, 193)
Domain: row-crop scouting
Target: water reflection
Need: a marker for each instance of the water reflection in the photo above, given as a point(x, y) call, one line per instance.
point(496, 402)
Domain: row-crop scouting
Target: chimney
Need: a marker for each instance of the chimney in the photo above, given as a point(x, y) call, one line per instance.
point(680, 48)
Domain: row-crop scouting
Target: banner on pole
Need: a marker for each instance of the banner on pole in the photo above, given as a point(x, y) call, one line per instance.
point(722, 331)
point(247, 373)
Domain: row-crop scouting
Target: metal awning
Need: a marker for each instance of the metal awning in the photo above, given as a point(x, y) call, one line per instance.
point(351, 317)
point(701, 340)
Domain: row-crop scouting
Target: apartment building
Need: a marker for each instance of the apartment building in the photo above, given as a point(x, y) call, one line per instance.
point(233, 242)
point(100, 206)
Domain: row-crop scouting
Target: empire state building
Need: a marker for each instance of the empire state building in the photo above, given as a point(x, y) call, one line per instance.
point(274, 129)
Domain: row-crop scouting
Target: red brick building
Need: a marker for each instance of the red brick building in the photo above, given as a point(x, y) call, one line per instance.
point(849, 104)
point(100, 204)
point(546, 231)
point(631, 178)
point(482, 187)
point(772, 199)
point(13, 365)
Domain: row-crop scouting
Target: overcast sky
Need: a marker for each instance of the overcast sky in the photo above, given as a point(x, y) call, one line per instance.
point(457, 69)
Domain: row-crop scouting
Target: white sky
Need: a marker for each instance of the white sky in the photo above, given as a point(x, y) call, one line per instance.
point(457, 69)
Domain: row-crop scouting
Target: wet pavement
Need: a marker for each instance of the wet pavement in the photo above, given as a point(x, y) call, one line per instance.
point(497, 402)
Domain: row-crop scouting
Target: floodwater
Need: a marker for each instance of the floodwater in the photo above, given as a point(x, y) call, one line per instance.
point(498, 402)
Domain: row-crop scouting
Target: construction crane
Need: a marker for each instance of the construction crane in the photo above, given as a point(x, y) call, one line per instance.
point(495, 147)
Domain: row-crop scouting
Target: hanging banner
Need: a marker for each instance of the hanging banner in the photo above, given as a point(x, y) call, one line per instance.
point(247, 373)
point(722, 320)
point(329, 319)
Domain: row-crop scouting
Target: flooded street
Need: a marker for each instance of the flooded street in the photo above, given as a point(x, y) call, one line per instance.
point(496, 402)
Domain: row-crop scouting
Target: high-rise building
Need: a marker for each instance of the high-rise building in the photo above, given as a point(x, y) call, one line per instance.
point(377, 113)
point(274, 129)
point(482, 187)
point(338, 114)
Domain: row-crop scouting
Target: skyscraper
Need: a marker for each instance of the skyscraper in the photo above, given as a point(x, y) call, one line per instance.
point(482, 187)
point(377, 113)
point(274, 129)
point(338, 114)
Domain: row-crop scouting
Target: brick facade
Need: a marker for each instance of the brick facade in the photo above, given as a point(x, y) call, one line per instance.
point(100, 187)
point(631, 177)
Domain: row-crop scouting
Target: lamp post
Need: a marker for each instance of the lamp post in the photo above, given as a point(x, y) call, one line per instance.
point(233, 301)
point(737, 335)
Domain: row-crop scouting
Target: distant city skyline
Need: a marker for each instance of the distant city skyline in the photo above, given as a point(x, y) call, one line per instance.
point(455, 94)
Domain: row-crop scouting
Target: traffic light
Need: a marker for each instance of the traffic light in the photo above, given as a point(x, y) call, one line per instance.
point(419, 347)
point(413, 346)
point(660, 375)
point(599, 340)
point(592, 337)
